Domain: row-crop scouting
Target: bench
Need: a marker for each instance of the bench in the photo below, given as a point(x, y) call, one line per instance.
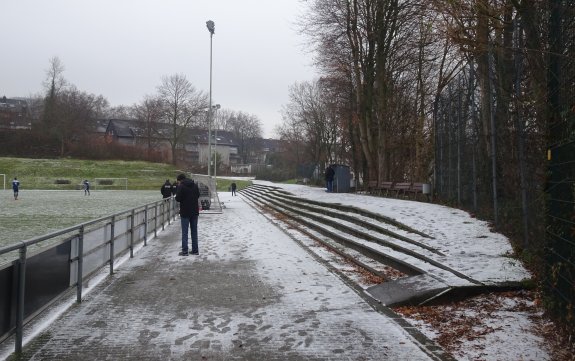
point(382, 189)
point(386, 187)
point(415, 189)
point(373, 188)
point(401, 189)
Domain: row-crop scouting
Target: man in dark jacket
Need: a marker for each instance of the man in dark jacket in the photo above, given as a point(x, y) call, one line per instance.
point(329, 174)
point(166, 189)
point(188, 195)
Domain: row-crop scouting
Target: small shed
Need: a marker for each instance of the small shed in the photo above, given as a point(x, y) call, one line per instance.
point(341, 179)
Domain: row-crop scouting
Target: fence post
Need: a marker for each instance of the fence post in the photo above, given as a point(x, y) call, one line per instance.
point(458, 137)
point(163, 214)
point(155, 220)
point(80, 264)
point(474, 136)
point(112, 237)
point(520, 132)
point(174, 207)
point(132, 234)
point(21, 295)
point(169, 213)
point(493, 136)
point(146, 226)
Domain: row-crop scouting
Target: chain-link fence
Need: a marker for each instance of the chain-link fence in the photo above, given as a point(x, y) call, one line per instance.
point(560, 229)
point(508, 155)
point(491, 166)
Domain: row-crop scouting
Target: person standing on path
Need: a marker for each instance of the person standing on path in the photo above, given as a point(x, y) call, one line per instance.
point(188, 195)
point(234, 189)
point(329, 174)
point(86, 187)
point(166, 189)
point(15, 188)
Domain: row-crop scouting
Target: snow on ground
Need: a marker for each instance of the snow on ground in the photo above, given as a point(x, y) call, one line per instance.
point(504, 329)
point(497, 326)
point(468, 243)
point(251, 291)
point(489, 327)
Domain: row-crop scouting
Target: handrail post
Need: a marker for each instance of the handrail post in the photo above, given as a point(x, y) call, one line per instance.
point(112, 238)
point(146, 226)
point(80, 264)
point(155, 220)
point(174, 207)
point(163, 214)
point(132, 234)
point(169, 213)
point(21, 296)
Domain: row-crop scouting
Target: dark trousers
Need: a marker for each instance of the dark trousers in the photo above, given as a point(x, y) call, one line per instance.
point(191, 223)
point(329, 185)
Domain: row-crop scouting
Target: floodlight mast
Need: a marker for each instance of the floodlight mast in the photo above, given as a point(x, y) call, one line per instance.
point(211, 28)
point(215, 108)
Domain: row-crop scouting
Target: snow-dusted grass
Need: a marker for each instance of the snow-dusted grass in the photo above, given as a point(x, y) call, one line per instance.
point(38, 212)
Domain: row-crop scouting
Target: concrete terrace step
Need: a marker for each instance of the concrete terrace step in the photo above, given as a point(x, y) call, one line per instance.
point(408, 290)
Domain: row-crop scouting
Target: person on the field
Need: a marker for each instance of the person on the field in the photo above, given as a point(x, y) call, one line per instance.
point(166, 189)
point(15, 188)
point(86, 185)
point(234, 189)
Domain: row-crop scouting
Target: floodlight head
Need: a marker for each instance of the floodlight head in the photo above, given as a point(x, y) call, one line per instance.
point(211, 26)
point(217, 106)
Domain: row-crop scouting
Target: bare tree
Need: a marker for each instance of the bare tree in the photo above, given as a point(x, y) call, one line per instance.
point(55, 80)
point(292, 134)
point(67, 110)
point(53, 84)
point(247, 129)
point(149, 111)
point(119, 112)
point(367, 42)
point(181, 103)
point(312, 109)
point(76, 111)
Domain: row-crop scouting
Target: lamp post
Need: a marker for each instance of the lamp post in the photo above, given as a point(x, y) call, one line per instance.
point(211, 28)
point(215, 108)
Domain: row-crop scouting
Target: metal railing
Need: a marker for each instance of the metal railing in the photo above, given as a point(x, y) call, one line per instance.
point(50, 266)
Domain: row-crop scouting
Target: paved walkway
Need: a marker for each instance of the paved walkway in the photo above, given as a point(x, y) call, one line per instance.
point(252, 294)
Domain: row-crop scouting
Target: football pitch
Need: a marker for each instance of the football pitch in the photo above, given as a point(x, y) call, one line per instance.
point(38, 212)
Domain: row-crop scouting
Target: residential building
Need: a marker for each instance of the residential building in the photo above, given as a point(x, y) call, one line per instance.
point(15, 114)
point(192, 151)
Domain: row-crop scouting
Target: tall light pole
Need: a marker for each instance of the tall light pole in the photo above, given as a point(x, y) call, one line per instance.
point(211, 28)
point(215, 107)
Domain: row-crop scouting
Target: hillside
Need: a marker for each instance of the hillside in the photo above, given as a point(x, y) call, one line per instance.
point(65, 174)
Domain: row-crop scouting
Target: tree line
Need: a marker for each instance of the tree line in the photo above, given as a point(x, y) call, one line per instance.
point(64, 118)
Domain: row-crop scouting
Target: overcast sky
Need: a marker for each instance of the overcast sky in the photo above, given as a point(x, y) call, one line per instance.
point(121, 49)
